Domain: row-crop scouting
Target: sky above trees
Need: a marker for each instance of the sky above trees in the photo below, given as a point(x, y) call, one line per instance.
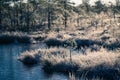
point(77, 2)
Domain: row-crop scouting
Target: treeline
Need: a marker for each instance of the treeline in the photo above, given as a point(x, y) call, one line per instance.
point(32, 15)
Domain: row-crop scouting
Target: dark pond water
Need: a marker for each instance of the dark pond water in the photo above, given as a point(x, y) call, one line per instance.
point(12, 69)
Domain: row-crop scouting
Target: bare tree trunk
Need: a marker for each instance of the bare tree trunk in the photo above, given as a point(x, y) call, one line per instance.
point(14, 11)
point(70, 55)
point(1, 13)
point(21, 16)
point(65, 15)
point(17, 16)
point(28, 19)
point(49, 16)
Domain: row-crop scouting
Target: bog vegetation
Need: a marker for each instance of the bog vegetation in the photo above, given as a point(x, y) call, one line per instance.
point(81, 40)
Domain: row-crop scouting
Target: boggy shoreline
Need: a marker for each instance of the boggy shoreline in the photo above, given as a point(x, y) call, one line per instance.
point(99, 64)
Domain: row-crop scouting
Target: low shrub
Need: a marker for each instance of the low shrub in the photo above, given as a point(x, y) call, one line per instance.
point(29, 59)
point(53, 42)
point(6, 39)
point(11, 38)
point(24, 39)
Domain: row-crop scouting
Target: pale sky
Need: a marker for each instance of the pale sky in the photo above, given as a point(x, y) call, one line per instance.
point(92, 1)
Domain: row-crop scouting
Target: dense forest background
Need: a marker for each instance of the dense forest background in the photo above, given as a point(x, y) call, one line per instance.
point(34, 15)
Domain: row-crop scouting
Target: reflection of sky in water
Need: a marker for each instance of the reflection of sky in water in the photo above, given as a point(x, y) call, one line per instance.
point(12, 69)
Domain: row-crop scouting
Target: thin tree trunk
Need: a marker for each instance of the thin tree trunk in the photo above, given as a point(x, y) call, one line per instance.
point(65, 15)
point(14, 11)
point(49, 18)
point(21, 16)
point(1, 14)
point(17, 16)
point(70, 55)
point(28, 19)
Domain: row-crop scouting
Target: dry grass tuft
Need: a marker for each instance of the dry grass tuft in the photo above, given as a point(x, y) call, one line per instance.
point(94, 64)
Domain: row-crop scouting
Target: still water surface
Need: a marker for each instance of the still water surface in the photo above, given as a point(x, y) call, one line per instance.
point(12, 69)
